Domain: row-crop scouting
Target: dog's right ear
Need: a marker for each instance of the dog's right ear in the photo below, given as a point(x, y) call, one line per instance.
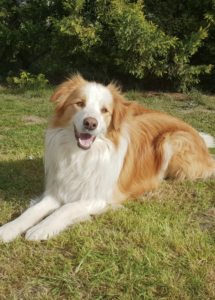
point(61, 94)
point(65, 89)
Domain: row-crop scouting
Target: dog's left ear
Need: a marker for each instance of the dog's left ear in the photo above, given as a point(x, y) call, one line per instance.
point(120, 106)
point(119, 114)
point(65, 89)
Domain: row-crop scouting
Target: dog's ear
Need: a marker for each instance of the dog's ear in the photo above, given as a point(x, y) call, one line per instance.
point(65, 89)
point(120, 106)
point(119, 114)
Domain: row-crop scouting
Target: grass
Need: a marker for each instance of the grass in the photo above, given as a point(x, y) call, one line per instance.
point(160, 246)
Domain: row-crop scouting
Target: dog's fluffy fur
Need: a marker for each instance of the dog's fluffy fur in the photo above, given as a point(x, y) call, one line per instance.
point(102, 150)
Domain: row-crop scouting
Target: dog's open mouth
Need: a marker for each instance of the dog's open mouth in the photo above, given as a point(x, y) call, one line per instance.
point(84, 139)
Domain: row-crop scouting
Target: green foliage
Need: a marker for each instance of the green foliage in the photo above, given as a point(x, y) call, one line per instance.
point(25, 33)
point(145, 39)
point(141, 46)
point(27, 79)
point(190, 21)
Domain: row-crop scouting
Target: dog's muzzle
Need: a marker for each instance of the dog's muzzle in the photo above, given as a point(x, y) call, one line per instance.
point(85, 140)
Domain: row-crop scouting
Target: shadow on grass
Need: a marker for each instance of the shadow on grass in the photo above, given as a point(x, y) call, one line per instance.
point(21, 180)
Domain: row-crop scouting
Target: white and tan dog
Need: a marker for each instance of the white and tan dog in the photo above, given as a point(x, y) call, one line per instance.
point(102, 150)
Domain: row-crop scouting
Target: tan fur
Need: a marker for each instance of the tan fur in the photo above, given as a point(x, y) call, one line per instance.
point(65, 89)
point(108, 117)
point(191, 159)
point(67, 95)
point(150, 133)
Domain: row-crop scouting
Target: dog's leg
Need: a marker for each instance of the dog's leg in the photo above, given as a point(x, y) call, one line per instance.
point(63, 217)
point(30, 217)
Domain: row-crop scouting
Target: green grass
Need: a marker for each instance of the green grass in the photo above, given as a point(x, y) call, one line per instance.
point(160, 246)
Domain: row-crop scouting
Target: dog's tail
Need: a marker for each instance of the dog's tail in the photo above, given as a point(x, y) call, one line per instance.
point(210, 143)
point(209, 140)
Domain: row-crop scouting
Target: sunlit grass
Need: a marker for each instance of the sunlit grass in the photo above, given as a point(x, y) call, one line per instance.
point(160, 246)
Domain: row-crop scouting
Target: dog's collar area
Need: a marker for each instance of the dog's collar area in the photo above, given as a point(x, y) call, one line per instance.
point(85, 140)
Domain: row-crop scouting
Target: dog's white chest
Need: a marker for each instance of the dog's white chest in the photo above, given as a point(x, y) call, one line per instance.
point(74, 174)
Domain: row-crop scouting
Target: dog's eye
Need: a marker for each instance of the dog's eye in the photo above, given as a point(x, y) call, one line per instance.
point(104, 110)
point(81, 104)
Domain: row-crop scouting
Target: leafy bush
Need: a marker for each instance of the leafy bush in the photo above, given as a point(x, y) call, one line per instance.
point(164, 39)
point(27, 80)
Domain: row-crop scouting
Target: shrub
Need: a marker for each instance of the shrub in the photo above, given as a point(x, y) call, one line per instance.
point(146, 39)
point(27, 80)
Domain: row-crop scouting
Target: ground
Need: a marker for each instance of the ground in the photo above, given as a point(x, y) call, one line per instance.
point(160, 246)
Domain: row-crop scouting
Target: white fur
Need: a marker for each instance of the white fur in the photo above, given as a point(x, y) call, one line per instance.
point(77, 175)
point(209, 140)
point(97, 97)
point(30, 217)
point(78, 182)
point(82, 181)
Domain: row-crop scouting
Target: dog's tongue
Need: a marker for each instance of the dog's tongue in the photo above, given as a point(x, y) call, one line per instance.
point(85, 139)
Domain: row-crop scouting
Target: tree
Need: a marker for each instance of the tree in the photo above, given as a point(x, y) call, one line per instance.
point(58, 37)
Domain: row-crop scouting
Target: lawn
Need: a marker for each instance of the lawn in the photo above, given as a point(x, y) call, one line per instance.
point(160, 246)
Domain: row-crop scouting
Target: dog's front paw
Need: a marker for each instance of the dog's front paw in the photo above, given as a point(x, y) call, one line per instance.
point(40, 233)
point(9, 232)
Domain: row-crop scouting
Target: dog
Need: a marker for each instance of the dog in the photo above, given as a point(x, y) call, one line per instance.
point(102, 150)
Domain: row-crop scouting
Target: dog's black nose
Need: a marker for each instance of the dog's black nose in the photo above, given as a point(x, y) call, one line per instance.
point(90, 123)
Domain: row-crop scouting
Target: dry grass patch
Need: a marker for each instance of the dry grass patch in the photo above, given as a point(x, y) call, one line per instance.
point(189, 111)
point(178, 96)
point(30, 120)
point(207, 220)
point(210, 279)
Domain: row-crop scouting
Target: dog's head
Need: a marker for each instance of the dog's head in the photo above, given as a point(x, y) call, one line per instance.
point(90, 107)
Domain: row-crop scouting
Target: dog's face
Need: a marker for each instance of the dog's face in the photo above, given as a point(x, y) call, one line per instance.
point(93, 113)
point(87, 106)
